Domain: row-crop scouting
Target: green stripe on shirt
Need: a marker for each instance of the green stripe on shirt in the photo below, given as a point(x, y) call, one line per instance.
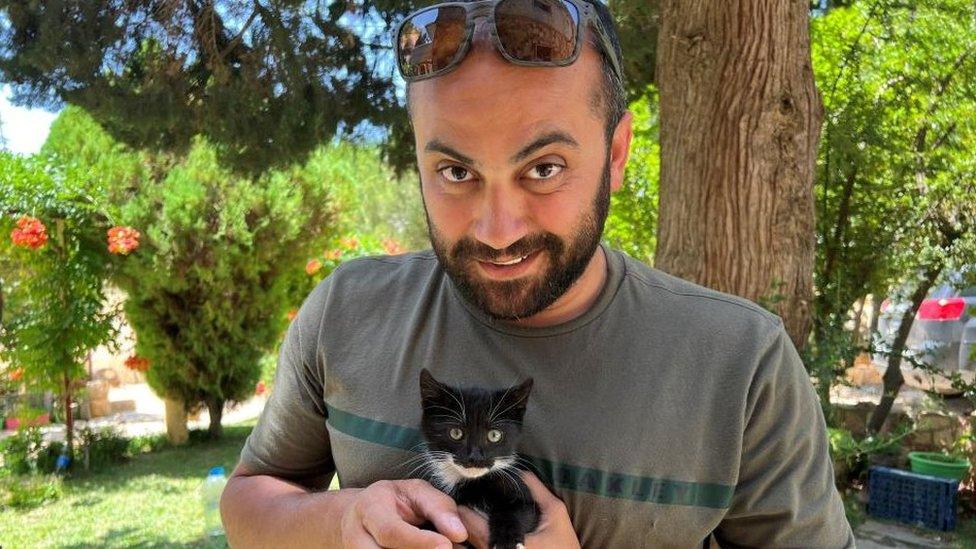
point(562, 475)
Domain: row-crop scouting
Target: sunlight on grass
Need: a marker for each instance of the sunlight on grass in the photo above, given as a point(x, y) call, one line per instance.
point(150, 501)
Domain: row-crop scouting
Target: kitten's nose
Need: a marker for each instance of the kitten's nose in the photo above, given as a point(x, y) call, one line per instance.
point(476, 458)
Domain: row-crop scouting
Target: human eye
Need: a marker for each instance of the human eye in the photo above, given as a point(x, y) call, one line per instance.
point(456, 174)
point(544, 170)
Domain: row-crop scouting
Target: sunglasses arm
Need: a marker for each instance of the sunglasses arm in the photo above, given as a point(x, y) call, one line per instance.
point(596, 25)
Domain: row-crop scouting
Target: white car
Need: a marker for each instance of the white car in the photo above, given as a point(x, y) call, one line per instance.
point(943, 334)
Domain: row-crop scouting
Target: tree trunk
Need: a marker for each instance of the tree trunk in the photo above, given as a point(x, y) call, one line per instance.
point(876, 300)
point(216, 409)
point(740, 122)
point(857, 335)
point(69, 420)
point(893, 379)
point(176, 430)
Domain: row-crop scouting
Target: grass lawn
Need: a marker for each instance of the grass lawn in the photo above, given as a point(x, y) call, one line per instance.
point(150, 501)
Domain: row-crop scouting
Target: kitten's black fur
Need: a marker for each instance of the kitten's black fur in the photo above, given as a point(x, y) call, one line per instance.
point(500, 492)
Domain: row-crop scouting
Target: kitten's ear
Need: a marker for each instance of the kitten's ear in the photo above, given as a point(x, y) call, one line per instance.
point(520, 394)
point(430, 388)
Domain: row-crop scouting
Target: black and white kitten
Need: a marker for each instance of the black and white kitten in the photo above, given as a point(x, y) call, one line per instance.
point(471, 436)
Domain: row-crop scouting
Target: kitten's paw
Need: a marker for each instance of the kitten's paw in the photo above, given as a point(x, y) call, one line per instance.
point(519, 546)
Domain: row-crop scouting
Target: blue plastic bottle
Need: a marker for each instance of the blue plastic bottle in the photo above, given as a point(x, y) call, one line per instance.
point(210, 492)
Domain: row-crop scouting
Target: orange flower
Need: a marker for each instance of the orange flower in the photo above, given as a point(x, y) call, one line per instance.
point(292, 314)
point(137, 363)
point(349, 242)
point(333, 255)
point(260, 388)
point(122, 240)
point(392, 247)
point(16, 374)
point(30, 233)
point(313, 266)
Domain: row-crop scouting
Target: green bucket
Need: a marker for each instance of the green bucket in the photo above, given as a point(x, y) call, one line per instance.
point(939, 465)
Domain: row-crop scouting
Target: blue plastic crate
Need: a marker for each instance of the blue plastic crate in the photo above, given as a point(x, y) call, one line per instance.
point(920, 500)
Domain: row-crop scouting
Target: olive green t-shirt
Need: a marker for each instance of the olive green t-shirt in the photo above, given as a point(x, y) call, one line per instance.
point(665, 412)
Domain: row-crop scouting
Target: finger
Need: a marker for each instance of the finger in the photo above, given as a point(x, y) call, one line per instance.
point(389, 529)
point(540, 493)
point(437, 507)
point(476, 525)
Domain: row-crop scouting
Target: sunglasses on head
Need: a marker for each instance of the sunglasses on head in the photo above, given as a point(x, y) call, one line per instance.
point(536, 33)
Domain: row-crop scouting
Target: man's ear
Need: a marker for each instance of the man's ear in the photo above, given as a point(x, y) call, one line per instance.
point(620, 150)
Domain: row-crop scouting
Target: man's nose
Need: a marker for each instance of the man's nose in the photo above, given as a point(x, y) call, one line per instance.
point(500, 219)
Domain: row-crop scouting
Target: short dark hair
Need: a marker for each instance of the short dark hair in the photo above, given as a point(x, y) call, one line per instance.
point(610, 99)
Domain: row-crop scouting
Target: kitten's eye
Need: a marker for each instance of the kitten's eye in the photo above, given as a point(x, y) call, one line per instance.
point(456, 434)
point(494, 435)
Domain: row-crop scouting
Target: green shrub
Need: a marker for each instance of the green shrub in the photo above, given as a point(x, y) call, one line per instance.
point(853, 509)
point(25, 452)
point(21, 451)
point(269, 365)
point(856, 455)
point(27, 491)
point(144, 444)
point(632, 223)
point(102, 447)
point(58, 272)
point(47, 458)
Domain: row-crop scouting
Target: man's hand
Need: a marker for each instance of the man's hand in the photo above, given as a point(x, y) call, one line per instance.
point(387, 513)
point(555, 529)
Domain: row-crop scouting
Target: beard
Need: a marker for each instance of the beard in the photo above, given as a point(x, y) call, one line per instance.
point(525, 296)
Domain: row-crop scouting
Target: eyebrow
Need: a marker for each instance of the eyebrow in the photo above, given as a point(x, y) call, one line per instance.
point(542, 141)
point(435, 145)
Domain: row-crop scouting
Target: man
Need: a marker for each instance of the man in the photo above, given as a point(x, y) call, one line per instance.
point(662, 412)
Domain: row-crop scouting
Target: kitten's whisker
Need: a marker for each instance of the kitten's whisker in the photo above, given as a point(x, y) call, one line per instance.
point(495, 405)
point(411, 461)
point(507, 474)
point(453, 413)
point(509, 407)
point(451, 419)
point(458, 399)
point(408, 463)
point(533, 466)
point(422, 444)
point(423, 469)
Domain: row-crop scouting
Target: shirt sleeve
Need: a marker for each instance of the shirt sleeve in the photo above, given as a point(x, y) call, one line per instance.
point(785, 494)
point(290, 439)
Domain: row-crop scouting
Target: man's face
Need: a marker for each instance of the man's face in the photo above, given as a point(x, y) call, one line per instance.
point(513, 164)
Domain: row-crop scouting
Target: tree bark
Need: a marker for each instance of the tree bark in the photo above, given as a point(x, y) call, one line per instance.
point(857, 335)
point(69, 420)
point(740, 123)
point(876, 299)
point(216, 409)
point(176, 430)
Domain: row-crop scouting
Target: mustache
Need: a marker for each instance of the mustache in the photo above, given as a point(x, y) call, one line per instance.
point(470, 248)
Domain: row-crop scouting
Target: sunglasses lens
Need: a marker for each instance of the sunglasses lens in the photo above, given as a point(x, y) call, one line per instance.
point(429, 40)
point(537, 30)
